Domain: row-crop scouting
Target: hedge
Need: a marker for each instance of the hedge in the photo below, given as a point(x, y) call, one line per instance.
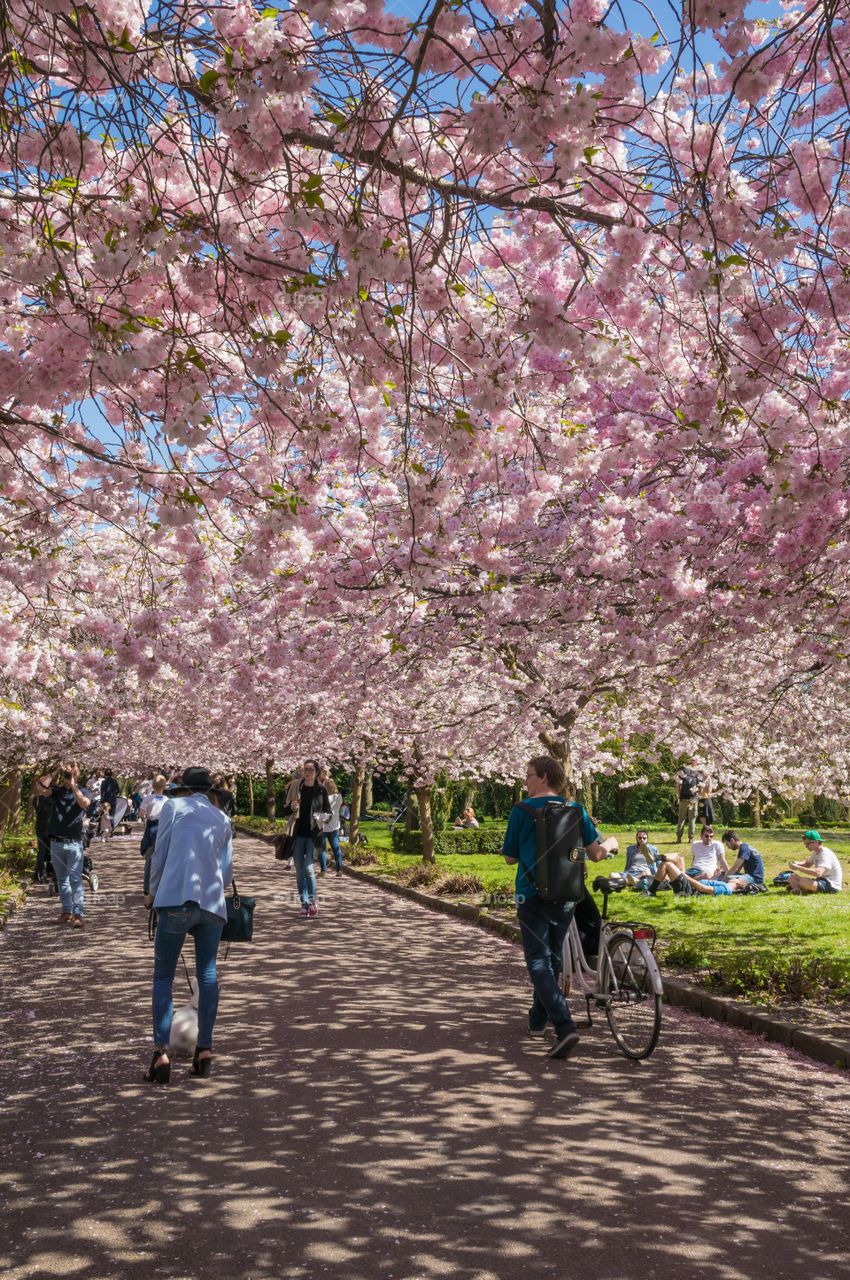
point(451, 841)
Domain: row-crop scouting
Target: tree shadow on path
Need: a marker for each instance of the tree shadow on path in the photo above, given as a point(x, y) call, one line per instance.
point(377, 1112)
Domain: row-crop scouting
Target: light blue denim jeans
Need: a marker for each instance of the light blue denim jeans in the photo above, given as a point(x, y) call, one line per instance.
point(173, 924)
point(332, 838)
point(302, 854)
point(67, 859)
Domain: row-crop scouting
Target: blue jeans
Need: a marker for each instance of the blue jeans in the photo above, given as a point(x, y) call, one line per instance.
point(544, 926)
point(67, 859)
point(302, 854)
point(332, 838)
point(172, 926)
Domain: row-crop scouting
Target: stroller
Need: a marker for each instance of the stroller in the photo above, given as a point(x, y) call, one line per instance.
point(90, 822)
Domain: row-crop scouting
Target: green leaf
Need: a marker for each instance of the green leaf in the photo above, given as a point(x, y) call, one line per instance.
point(123, 41)
point(208, 81)
point(590, 152)
point(269, 12)
point(187, 498)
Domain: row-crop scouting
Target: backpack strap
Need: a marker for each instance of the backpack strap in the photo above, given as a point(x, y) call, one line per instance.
point(526, 807)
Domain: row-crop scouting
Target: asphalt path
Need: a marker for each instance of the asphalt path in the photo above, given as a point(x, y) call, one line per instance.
point(377, 1112)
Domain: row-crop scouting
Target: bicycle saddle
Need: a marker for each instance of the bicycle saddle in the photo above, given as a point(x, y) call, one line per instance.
point(603, 885)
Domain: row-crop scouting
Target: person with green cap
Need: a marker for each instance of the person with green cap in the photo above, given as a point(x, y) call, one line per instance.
point(820, 872)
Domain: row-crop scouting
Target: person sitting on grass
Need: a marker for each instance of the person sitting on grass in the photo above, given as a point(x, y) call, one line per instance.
point(706, 861)
point(707, 856)
point(685, 885)
point(642, 858)
point(748, 864)
point(820, 872)
point(467, 819)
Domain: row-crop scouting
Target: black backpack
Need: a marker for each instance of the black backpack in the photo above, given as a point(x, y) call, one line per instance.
point(689, 785)
point(558, 873)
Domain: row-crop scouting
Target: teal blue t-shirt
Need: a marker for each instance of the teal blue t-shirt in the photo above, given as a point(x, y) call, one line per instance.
point(521, 843)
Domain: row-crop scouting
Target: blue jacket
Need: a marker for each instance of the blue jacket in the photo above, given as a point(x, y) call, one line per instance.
point(192, 860)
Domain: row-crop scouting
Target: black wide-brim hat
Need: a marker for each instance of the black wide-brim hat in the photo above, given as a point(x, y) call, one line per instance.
point(196, 780)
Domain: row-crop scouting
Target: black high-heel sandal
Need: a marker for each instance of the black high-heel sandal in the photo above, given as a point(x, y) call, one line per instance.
point(158, 1072)
point(201, 1066)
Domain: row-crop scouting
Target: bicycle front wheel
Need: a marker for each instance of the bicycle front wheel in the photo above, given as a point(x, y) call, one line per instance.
point(632, 1002)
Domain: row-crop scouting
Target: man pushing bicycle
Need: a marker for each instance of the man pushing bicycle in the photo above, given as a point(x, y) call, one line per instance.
point(544, 840)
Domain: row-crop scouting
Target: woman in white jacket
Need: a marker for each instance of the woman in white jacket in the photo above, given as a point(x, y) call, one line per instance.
point(330, 830)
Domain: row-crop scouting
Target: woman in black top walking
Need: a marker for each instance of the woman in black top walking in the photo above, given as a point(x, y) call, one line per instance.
point(313, 809)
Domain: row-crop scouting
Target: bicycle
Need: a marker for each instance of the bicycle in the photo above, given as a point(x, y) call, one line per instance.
point(626, 982)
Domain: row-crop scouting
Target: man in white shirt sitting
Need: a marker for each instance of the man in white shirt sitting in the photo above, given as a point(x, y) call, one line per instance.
point(707, 862)
point(820, 872)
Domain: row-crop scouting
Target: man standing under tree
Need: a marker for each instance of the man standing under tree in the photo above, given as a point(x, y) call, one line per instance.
point(109, 790)
point(544, 925)
point(688, 784)
point(66, 845)
point(42, 803)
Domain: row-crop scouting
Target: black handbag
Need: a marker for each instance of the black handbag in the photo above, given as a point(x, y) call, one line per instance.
point(240, 918)
point(283, 847)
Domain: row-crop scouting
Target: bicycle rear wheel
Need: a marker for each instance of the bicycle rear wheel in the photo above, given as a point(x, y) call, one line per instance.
point(632, 1002)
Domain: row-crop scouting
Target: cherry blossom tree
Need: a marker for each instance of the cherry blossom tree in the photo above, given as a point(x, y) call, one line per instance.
point(506, 340)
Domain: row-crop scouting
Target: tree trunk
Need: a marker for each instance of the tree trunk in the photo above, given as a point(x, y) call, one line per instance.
point(518, 789)
point(356, 797)
point(10, 800)
point(367, 796)
point(271, 808)
point(757, 808)
point(559, 750)
point(594, 795)
point(250, 795)
point(409, 812)
point(426, 826)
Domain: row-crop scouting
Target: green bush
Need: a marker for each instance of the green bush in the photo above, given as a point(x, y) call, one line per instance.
point(406, 841)
point(772, 976)
point(440, 801)
point(359, 856)
point(260, 824)
point(453, 840)
point(461, 840)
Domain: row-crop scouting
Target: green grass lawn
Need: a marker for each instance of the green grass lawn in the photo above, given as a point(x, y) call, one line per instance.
point(765, 946)
point(17, 863)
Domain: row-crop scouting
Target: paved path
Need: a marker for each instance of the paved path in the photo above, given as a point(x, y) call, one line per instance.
point(377, 1114)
